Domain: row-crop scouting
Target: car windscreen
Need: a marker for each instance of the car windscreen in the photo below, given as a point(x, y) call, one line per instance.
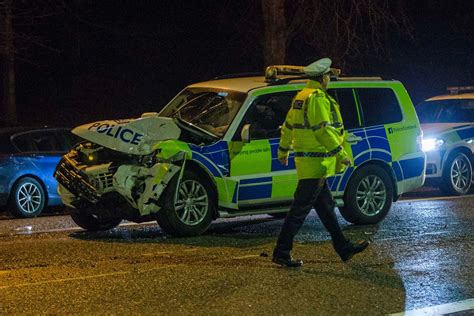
point(209, 109)
point(446, 111)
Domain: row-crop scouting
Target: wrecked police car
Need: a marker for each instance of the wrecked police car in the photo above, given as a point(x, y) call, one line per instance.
point(212, 152)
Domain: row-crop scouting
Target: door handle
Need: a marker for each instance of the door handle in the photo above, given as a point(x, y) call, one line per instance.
point(352, 139)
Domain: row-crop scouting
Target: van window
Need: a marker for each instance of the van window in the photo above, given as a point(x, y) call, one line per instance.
point(266, 115)
point(349, 113)
point(379, 106)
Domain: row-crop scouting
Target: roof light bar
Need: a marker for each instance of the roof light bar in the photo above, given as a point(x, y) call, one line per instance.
point(272, 72)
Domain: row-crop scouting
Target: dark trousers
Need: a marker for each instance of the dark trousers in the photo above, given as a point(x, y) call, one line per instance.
point(309, 193)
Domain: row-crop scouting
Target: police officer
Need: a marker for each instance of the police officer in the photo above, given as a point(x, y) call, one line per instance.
point(313, 128)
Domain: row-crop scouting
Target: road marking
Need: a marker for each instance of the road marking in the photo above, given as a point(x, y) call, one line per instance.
point(444, 309)
point(86, 277)
point(410, 236)
point(29, 231)
point(245, 257)
point(64, 280)
point(157, 253)
point(437, 198)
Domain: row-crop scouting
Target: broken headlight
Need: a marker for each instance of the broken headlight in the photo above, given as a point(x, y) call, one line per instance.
point(150, 159)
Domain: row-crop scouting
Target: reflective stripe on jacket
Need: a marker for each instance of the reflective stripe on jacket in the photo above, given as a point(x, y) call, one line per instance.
point(313, 129)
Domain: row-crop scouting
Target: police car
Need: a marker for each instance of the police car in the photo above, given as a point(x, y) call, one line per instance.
point(447, 122)
point(212, 152)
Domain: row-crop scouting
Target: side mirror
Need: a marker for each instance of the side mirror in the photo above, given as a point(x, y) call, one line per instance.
point(245, 133)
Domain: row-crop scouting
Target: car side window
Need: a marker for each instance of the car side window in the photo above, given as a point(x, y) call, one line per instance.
point(348, 107)
point(379, 106)
point(266, 114)
point(38, 141)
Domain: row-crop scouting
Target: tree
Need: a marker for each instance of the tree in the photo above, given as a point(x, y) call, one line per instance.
point(340, 29)
point(27, 16)
point(8, 112)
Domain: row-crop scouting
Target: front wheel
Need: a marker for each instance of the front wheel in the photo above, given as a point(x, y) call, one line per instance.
point(368, 196)
point(187, 207)
point(457, 175)
point(90, 222)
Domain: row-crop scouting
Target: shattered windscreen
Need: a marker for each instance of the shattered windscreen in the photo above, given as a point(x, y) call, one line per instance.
point(209, 109)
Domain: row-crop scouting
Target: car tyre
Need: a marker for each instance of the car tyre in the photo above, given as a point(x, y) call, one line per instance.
point(27, 198)
point(368, 196)
point(90, 222)
point(457, 175)
point(188, 211)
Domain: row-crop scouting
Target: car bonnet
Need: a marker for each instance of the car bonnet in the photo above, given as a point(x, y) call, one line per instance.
point(131, 136)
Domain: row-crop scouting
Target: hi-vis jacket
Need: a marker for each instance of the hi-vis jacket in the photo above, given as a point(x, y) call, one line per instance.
point(313, 129)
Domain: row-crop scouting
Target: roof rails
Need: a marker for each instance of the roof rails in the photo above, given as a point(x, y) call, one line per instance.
point(282, 74)
point(456, 90)
point(285, 80)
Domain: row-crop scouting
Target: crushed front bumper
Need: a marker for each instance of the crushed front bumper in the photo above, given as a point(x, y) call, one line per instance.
point(75, 181)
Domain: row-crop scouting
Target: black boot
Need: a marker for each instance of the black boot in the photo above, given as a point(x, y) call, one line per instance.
point(287, 262)
point(349, 249)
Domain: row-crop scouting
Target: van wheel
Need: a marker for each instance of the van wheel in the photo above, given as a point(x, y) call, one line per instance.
point(27, 198)
point(457, 175)
point(187, 211)
point(84, 219)
point(368, 196)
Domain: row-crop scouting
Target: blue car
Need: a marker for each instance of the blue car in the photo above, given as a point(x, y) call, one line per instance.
point(28, 157)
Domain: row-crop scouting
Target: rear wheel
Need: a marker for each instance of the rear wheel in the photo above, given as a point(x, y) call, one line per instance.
point(84, 219)
point(457, 175)
point(368, 196)
point(187, 209)
point(27, 198)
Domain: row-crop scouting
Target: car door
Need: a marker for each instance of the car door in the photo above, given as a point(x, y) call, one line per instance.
point(41, 151)
point(392, 137)
point(254, 165)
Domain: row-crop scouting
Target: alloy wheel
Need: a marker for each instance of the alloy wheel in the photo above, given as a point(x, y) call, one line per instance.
point(460, 174)
point(29, 198)
point(192, 203)
point(371, 195)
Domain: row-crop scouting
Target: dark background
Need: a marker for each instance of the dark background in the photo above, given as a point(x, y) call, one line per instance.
point(95, 60)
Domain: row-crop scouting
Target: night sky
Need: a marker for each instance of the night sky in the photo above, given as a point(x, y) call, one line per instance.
point(94, 60)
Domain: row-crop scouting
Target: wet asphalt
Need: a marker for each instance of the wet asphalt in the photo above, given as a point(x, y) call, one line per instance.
point(420, 255)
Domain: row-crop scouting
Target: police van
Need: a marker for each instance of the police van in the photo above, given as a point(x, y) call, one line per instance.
point(447, 122)
point(212, 152)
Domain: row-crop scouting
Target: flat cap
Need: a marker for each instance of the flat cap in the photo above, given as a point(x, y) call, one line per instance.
point(318, 68)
